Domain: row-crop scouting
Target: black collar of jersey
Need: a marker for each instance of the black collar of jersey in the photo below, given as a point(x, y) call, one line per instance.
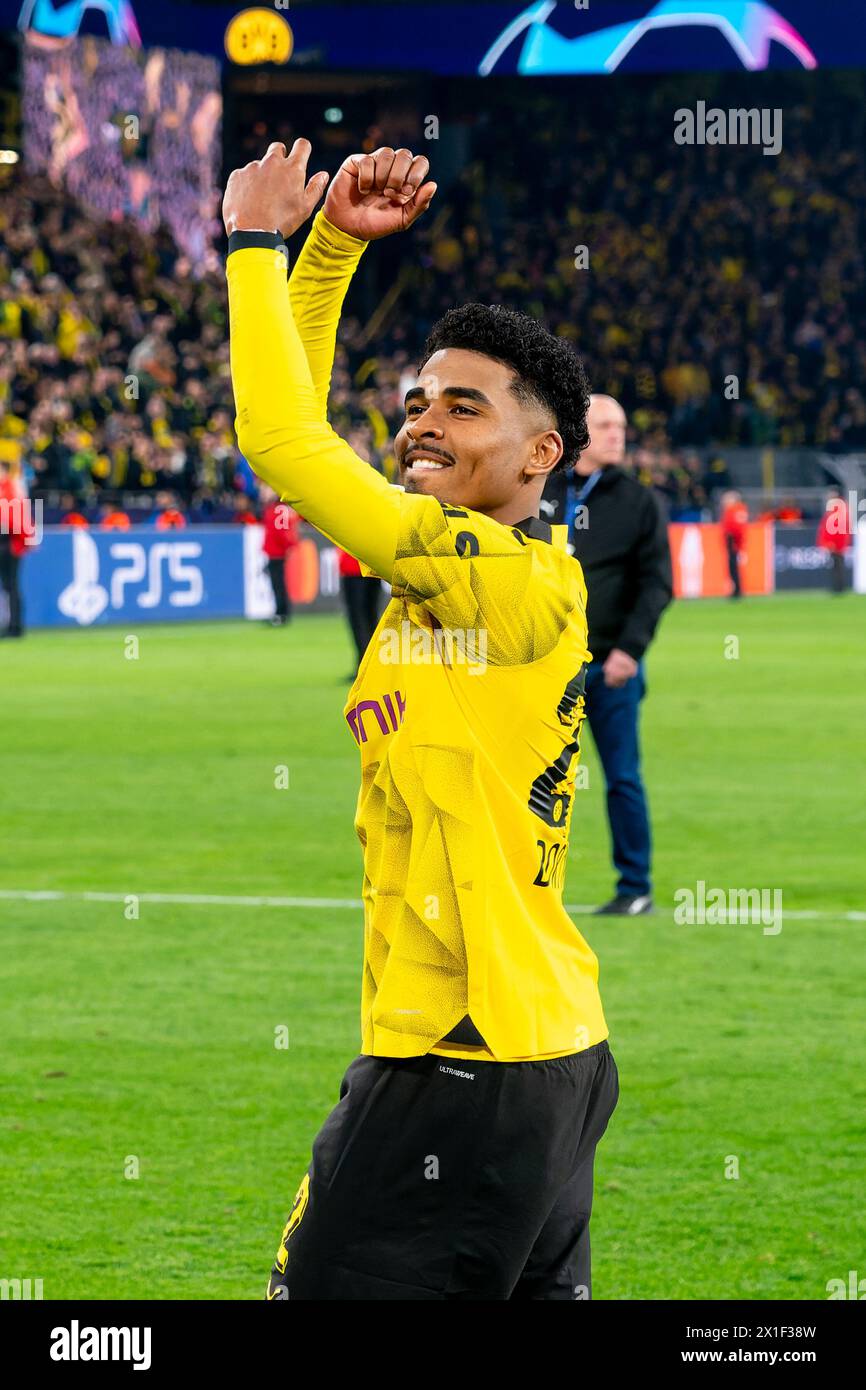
point(535, 529)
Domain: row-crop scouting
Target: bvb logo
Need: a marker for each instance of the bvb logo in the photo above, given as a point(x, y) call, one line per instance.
point(299, 1206)
point(258, 36)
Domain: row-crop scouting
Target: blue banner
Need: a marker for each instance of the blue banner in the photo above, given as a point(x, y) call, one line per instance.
point(541, 38)
point(79, 578)
point(88, 578)
point(83, 578)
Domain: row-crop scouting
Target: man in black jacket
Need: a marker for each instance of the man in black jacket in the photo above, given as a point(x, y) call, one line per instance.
point(618, 532)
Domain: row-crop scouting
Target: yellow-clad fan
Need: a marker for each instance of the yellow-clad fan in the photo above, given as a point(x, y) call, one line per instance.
point(458, 1162)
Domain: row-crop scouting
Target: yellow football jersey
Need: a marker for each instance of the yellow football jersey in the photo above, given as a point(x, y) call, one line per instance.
point(467, 711)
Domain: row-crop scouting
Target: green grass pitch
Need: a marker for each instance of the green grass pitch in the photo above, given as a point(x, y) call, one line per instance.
point(151, 1041)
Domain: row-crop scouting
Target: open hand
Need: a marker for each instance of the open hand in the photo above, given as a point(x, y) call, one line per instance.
point(273, 193)
point(376, 194)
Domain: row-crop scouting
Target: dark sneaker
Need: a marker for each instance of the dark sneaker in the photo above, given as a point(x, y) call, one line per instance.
point(621, 906)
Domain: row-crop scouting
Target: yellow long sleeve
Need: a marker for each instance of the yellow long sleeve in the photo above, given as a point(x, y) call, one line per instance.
point(317, 287)
point(280, 421)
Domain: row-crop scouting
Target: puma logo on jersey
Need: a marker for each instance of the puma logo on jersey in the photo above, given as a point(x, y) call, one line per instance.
point(387, 712)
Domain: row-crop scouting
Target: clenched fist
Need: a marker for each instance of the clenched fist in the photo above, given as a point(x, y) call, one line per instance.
point(619, 668)
point(273, 193)
point(376, 194)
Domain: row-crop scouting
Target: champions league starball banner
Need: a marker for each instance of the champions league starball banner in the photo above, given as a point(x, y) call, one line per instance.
point(542, 39)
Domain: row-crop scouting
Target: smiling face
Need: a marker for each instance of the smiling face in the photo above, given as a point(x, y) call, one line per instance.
point(471, 440)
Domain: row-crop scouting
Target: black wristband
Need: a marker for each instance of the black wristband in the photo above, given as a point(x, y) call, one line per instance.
point(270, 241)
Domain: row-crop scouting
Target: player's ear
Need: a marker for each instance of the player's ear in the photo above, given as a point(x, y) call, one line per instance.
point(546, 452)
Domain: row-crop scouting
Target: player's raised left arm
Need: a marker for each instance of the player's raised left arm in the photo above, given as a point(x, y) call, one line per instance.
point(372, 196)
point(280, 427)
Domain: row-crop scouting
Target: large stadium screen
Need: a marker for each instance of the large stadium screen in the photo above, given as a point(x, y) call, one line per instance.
point(130, 133)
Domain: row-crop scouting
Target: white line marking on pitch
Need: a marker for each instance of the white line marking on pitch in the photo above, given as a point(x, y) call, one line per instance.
point(245, 900)
point(185, 899)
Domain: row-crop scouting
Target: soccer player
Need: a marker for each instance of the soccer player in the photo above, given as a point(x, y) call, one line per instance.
point(458, 1163)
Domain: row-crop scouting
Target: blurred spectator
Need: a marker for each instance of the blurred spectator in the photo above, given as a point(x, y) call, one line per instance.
point(788, 513)
point(834, 536)
point(168, 516)
point(113, 519)
point(281, 523)
point(734, 520)
point(16, 532)
point(244, 511)
point(70, 516)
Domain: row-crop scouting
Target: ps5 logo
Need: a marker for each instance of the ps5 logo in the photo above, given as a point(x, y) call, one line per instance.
point(162, 568)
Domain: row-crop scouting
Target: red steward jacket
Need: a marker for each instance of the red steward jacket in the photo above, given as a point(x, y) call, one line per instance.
point(734, 521)
point(16, 519)
point(281, 530)
point(834, 531)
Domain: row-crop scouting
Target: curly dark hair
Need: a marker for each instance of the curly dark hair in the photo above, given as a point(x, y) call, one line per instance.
point(548, 372)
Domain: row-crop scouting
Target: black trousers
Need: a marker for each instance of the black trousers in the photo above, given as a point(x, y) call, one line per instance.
point(838, 578)
point(9, 564)
point(277, 576)
point(440, 1178)
point(733, 565)
point(363, 600)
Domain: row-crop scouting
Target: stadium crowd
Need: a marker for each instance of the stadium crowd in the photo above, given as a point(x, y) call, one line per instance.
point(695, 265)
point(114, 373)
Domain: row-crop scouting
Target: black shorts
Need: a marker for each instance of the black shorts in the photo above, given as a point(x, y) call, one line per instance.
point(438, 1178)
